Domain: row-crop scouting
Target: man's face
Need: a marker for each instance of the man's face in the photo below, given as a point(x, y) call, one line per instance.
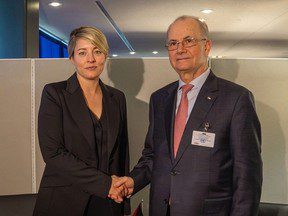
point(188, 59)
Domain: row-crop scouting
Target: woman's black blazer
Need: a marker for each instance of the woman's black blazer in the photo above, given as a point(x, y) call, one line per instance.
point(66, 139)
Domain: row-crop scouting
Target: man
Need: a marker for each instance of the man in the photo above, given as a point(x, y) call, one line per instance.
point(202, 150)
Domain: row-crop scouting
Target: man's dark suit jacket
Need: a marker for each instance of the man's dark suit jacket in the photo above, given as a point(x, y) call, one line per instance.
point(223, 180)
point(67, 142)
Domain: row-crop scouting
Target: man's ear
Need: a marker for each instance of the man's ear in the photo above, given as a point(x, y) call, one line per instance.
point(208, 46)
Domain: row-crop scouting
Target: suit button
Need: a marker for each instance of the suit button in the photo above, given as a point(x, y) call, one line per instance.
point(174, 172)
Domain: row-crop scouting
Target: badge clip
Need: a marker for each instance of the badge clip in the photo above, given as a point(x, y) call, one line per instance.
point(206, 126)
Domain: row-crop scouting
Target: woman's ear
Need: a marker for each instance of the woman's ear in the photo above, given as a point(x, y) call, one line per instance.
point(72, 60)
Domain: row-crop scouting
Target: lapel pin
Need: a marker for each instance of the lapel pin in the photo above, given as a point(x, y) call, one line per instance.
point(209, 98)
point(207, 125)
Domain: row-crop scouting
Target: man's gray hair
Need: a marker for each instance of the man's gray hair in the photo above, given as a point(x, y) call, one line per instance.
point(203, 26)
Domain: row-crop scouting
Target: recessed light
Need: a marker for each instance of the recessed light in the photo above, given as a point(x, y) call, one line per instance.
point(207, 11)
point(132, 53)
point(114, 55)
point(55, 4)
point(217, 56)
point(155, 52)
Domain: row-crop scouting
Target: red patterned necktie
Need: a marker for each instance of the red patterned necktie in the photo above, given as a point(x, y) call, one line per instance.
point(181, 117)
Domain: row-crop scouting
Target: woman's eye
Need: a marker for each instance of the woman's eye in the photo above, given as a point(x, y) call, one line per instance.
point(81, 53)
point(97, 52)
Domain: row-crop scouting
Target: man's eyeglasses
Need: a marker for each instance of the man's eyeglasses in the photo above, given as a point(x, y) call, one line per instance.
point(186, 42)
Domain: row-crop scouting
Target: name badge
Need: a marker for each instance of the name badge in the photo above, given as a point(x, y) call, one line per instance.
point(201, 138)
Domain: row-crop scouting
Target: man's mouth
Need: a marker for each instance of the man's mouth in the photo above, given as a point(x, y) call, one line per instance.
point(181, 59)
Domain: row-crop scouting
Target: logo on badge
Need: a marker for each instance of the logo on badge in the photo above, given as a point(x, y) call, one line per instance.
point(203, 138)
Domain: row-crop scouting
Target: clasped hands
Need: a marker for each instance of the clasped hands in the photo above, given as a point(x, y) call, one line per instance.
point(121, 187)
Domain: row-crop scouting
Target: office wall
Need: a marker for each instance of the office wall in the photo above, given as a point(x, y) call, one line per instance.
point(22, 80)
point(15, 127)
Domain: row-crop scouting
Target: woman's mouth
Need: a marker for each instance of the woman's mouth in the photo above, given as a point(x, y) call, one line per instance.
point(91, 68)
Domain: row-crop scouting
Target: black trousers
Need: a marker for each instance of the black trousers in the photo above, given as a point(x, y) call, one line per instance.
point(98, 206)
point(168, 210)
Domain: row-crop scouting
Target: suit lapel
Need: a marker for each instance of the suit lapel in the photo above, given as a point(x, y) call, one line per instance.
point(79, 110)
point(113, 117)
point(170, 104)
point(203, 104)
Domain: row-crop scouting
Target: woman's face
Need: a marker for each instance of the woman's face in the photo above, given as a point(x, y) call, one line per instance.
point(88, 60)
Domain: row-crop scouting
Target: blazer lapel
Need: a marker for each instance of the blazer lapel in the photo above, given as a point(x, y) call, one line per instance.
point(113, 117)
point(203, 104)
point(170, 104)
point(79, 110)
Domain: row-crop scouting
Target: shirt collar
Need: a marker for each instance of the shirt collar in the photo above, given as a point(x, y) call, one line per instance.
point(198, 81)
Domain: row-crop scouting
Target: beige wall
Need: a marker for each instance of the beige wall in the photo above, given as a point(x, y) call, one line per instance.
point(268, 80)
point(21, 164)
point(15, 130)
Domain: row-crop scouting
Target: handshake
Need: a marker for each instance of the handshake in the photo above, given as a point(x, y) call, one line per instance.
point(121, 187)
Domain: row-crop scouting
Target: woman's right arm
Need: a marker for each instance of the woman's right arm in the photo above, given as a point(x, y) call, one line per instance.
point(56, 155)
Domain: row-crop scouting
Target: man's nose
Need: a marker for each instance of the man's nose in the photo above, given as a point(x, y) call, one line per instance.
point(181, 48)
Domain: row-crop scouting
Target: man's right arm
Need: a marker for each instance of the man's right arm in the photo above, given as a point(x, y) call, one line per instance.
point(140, 176)
point(141, 173)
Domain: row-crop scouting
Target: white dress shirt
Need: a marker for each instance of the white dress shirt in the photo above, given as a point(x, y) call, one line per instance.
point(193, 93)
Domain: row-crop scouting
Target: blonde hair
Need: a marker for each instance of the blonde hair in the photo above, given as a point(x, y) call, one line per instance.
point(92, 34)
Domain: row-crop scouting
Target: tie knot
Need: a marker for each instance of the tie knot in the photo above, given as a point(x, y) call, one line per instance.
point(186, 88)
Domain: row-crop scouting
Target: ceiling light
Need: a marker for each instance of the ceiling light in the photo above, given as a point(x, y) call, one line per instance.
point(55, 4)
point(207, 11)
point(114, 55)
point(155, 52)
point(217, 56)
point(132, 53)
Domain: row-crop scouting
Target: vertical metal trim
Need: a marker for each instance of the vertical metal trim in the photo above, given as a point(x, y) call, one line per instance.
point(33, 126)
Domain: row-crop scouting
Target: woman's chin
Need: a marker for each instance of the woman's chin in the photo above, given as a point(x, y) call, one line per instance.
point(91, 75)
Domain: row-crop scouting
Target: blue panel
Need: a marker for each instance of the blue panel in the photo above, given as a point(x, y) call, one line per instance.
point(12, 22)
point(65, 52)
point(49, 47)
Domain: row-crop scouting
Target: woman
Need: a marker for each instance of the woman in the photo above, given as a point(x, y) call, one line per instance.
point(82, 133)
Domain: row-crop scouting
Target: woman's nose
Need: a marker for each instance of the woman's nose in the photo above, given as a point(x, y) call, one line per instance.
point(91, 57)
